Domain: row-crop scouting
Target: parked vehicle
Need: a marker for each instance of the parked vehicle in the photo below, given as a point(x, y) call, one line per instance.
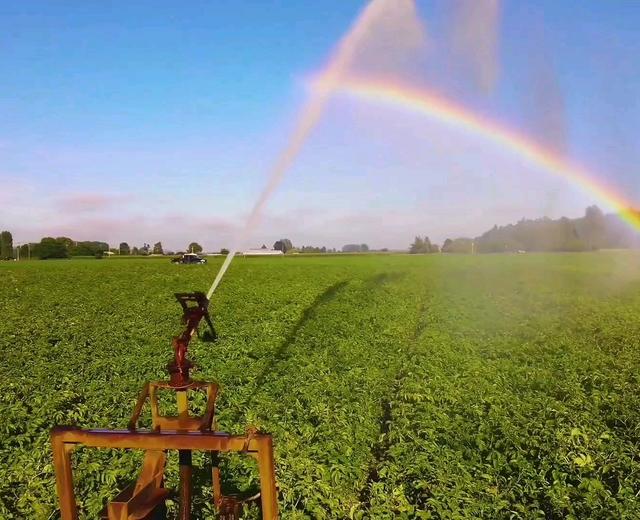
point(189, 258)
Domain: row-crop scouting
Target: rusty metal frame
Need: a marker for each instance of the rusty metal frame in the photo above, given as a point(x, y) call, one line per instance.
point(183, 421)
point(66, 439)
point(182, 432)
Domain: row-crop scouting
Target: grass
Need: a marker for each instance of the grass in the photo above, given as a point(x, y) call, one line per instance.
point(395, 386)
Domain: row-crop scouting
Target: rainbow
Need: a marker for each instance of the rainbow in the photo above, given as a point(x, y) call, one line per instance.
point(442, 110)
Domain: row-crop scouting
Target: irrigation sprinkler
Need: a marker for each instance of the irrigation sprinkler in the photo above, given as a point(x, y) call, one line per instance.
point(145, 498)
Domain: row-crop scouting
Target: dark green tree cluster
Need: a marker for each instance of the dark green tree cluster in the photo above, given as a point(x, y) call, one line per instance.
point(26, 250)
point(312, 249)
point(50, 247)
point(458, 246)
point(355, 248)
point(423, 246)
point(6, 245)
point(194, 247)
point(593, 231)
point(87, 248)
point(284, 245)
point(65, 247)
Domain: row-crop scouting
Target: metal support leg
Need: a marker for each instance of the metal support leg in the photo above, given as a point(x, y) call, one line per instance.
point(64, 478)
point(215, 478)
point(186, 470)
point(268, 491)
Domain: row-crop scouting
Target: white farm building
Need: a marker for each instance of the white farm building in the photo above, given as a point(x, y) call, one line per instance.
point(262, 252)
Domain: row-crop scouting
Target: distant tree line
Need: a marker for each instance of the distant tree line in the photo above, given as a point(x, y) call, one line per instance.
point(286, 246)
point(355, 248)
point(312, 249)
point(65, 247)
point(593, 231)
point(62, 247)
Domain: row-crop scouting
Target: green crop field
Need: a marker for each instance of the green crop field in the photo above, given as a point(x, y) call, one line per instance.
point(395, 386)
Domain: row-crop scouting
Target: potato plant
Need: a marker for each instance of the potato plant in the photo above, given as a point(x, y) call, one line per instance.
point(439, 386)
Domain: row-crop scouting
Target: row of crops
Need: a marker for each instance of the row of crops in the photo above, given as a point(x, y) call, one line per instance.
point(395, 386)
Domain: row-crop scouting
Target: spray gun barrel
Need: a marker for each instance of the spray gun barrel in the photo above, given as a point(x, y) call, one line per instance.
point(195, 308)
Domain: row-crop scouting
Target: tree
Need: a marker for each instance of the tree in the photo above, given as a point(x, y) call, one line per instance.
point(68, 242)
point(417, 246)
point(224, 251)
point(157, 248)
point(124, 248)
point(6, 245)
point(595, 227)
point(194, 247)
point(284, 245)
point(459, 245)
point(423, 246)
point(135, 251)
point(87, 248)
point(593, 213)
point(25, 251)
point(51, 248)
point(313, 249)
point(355, 248)
point(594, 230)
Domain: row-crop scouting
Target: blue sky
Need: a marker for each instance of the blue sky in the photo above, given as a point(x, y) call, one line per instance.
point(146, 121)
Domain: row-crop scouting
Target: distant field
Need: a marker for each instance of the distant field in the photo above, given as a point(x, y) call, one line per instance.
point(395, 386)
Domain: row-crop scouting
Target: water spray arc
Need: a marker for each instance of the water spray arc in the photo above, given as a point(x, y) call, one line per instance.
point(311, 114)
point(184, 432)
point(338, 77)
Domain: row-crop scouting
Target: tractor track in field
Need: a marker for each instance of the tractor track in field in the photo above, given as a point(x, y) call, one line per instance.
point(380, 450)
